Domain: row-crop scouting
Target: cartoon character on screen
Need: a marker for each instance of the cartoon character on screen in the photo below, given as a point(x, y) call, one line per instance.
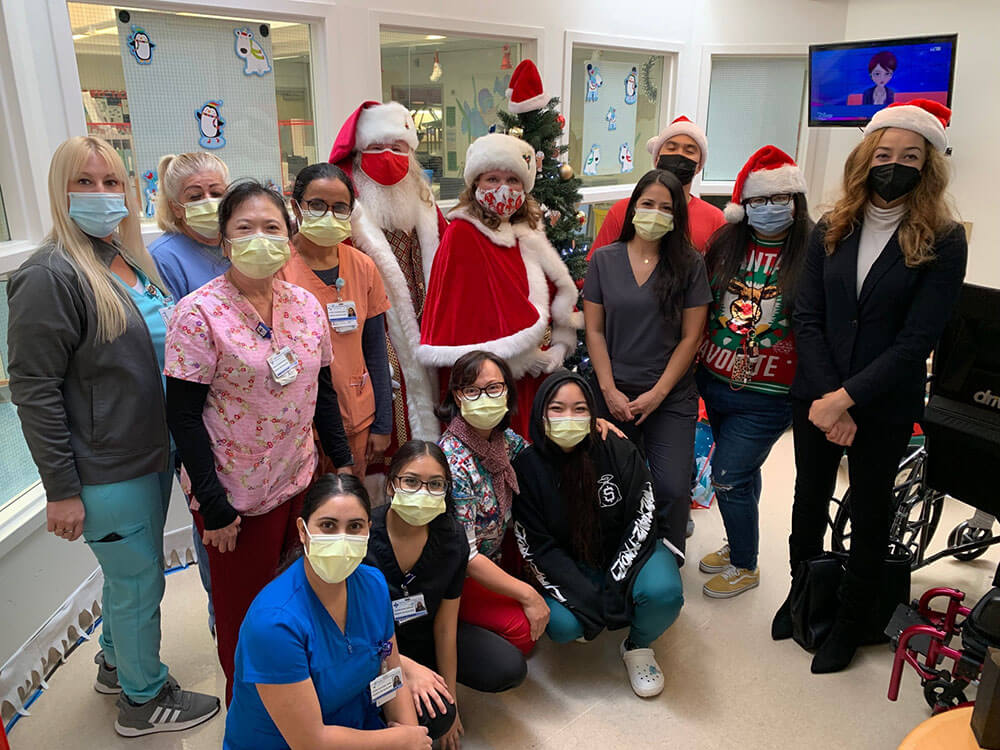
point(632, 86)
point(625, 158)
point(210, 123)
point(140, 46)
point(248, 49)
point(149, 192)
point(593, 159)
point(612, 118)
point(594, 82)
point(881, 68)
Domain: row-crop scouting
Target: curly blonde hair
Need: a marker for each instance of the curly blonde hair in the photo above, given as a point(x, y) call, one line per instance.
point(529, 212)
point(928, 213)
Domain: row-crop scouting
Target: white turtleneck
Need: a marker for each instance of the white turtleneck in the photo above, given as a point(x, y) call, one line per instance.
point(876, 231)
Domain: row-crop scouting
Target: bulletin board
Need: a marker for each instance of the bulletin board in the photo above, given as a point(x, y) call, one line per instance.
point(200, 84)
point(609, 117)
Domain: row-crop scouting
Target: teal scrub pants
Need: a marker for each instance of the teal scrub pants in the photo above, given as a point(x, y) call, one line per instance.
point(124, 529)
point(657, 594)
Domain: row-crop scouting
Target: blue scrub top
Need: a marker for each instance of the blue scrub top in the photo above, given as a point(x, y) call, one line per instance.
point(288, 636)
point(150, 302)
point(184, 264)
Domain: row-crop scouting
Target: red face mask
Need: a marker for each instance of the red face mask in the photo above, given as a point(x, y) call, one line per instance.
point(386, 167)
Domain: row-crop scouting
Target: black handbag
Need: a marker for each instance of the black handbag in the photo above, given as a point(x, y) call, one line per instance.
point(815, 596)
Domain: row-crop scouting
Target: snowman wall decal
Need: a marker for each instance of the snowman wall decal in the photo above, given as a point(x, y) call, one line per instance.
point(612, 118)
point(248, 49)
point(210, 124)
point(149, 192)
point(625, 157)
point(140, 46)
point(594, 81)
point(631, 86)
point(593, 159)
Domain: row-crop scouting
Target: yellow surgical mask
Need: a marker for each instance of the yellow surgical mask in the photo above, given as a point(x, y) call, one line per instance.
point(203, 217)
point(259, 255)
point(484, 413)
point(418, 508)
point(651, 224)
point(335, 556)
point(326, 230)
point(567, 432)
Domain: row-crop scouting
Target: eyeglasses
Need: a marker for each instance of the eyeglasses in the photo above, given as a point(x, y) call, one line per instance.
point(781, 199)
point(493, 390)
point(411, 484)
point(317, 207)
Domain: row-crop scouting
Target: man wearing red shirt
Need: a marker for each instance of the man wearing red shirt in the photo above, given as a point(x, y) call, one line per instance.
point(680, 148)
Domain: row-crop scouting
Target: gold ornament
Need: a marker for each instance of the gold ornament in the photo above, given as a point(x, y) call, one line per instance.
point(516, 132)
point(581, 217)
point(565, 172)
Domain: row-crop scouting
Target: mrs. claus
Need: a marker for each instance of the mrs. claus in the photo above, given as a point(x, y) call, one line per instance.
point(496, 283)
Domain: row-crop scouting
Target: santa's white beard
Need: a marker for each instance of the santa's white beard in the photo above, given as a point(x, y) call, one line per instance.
point(392, 206)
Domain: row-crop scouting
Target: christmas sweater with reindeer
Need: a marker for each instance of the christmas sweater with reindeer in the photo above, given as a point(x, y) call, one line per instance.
point(749, 308)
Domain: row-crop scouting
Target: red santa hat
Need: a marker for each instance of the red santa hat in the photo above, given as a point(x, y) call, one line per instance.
point(681, 126)
point(525, 92)
point(370, 123)
point(923, 116)
point(768, 172)
point(500, 151)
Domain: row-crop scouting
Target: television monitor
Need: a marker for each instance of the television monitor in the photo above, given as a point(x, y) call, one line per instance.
point(851, 81)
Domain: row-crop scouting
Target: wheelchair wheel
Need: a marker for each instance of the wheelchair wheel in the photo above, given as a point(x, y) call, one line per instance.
point(965, 534)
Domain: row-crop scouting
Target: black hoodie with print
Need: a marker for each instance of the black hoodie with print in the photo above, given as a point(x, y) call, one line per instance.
point(626, 518)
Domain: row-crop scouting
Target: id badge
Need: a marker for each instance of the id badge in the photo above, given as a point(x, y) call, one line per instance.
point(383, 688)
point(741, 369)
point(343, 316)
point(408, 608)
point(167, 312)
point(284, 366)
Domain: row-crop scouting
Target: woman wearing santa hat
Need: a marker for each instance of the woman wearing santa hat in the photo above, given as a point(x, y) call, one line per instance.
point(882, 274)
point(497, 284)
point(748, 354)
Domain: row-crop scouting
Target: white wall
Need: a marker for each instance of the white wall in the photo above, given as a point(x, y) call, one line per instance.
point(975, 106)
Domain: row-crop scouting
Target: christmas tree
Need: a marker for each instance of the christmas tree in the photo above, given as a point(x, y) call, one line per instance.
point(556, 189)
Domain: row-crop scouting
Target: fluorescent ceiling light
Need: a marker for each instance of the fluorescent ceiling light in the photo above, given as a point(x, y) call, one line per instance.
point(434, 37)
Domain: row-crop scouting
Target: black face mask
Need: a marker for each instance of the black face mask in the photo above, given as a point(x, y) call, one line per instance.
point(680, 166)
point(892, 181)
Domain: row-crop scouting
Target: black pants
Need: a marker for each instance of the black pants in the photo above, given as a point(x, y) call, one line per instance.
point(873, 461)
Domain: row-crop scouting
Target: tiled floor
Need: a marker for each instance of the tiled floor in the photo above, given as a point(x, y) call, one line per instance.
point(728, 684)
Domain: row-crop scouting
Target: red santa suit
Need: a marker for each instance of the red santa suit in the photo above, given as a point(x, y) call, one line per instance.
point(504, 290)
point(398, 225)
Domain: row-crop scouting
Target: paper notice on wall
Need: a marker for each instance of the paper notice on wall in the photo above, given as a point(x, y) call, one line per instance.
point(609, 118)
point(195, 92)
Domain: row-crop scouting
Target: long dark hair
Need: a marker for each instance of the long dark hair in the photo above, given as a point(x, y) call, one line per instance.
point(464, 372)
point(321, 171)
point(676, 252)
point(411, 450)
point(578, 482)
point(727, 252)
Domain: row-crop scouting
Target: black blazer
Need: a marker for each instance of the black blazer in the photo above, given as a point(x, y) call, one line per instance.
point(874, 345)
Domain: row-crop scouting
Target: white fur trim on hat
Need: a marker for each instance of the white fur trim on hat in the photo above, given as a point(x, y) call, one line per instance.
point(385, 123)
point(733, 213)
point(784, 179)
point(913, 118)
point(681, 126)
point(500, 151)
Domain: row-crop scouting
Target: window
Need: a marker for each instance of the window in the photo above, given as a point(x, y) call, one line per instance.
point(615, 106)
point(17, 470)
point(154, 83)
point(764, 96)
point(453, 87)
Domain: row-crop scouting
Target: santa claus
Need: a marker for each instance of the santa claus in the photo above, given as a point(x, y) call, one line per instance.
point(398, 225)
point(497, 284)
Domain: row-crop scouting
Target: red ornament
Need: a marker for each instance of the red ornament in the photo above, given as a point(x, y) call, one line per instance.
point(561, 120)
point(579, 284)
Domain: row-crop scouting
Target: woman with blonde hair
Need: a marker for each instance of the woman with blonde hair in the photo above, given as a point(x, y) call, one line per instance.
point(188, 254)
point(881, 275)
point(497, 283)
point(86, 336)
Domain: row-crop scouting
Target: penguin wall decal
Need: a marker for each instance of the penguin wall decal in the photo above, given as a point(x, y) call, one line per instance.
point(210, 124)
point(140, 46)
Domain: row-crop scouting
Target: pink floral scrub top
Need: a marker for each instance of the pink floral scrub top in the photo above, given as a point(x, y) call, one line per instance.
point(261, 432)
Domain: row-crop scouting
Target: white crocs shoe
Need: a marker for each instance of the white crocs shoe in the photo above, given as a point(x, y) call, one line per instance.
point(643, 671)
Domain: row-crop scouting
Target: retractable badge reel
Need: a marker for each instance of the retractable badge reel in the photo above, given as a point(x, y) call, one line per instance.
point(383, 688)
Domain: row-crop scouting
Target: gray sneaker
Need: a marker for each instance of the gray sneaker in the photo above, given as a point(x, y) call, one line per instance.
point(173, 710)
point(107, 677)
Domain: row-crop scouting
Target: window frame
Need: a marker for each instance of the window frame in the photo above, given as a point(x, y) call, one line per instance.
point(25, 148)
point(710, 51)
point(673, 55)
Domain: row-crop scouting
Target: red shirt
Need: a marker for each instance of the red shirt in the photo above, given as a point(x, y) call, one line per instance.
point(703, 220)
